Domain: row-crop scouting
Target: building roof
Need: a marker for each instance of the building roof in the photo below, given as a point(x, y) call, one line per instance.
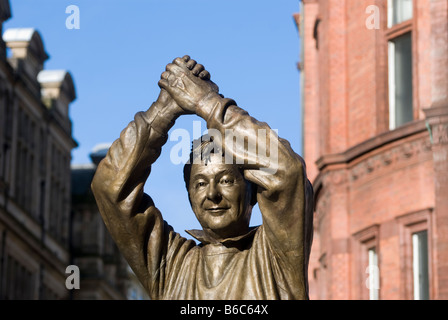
point(46, 76)
point(82, 174)
point(99, 152)
point(18, 34)
point(26, 37)
point(58, 78)
point(81, 178)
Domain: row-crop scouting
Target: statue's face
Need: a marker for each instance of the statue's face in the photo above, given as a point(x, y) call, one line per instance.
point(220, 197)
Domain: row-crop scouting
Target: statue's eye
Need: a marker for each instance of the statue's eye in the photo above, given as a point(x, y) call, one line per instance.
point(200, 184)
point(226, 181)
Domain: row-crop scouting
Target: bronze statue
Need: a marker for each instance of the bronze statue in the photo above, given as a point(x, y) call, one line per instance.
point(232, 261)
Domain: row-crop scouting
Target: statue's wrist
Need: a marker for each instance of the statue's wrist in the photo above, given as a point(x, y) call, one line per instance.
point(207, 104)
point(168, 109)
point(159, 118)
point(172, 110)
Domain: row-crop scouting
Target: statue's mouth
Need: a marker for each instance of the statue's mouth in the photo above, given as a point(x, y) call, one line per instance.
point(217, 210)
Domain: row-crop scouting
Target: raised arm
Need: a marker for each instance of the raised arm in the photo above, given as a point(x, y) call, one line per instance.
point(284, 193)
point(149, 244)
point(129, 214)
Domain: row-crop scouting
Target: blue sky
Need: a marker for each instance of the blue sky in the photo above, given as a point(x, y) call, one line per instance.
point(116, 57)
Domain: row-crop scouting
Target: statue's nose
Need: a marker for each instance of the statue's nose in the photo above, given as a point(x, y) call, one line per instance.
point(213, 193)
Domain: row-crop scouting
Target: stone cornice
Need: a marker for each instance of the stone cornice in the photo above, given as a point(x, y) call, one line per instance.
point(333, 167)
point(437, 112)
point(437, 119)
point(367, 146)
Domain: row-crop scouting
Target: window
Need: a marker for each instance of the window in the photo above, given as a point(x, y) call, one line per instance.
point(6, 132)
point(400, 81)
point(399, 34)
point(25, 171)
point(399, 11)
point(19, 276)
point(374, 281)
point(415, 254)
point(59, 195)
point(366, 274)
point(420, 265)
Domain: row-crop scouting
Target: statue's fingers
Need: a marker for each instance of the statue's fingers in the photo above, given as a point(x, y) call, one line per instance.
point(214, 86)
point(170, 78)
point(175, 69)
point(190, 64)
point(204, 75)
point(168, 75)
point(178, 61)
point(165, 75)
point(163, 84)
point(197, 69)
point(182, 62)
point(173, 88)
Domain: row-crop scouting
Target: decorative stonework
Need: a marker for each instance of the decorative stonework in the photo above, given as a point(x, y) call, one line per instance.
point(387, 158)
point(338, 177)
point(437, 122)
point(440, 133)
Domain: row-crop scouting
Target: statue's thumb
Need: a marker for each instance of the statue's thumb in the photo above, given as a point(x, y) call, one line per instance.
point(163, 84)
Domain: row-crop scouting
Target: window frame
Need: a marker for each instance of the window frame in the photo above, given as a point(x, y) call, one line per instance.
point(14, 252)
point(390, 34)
point(390, 13)
point(415, 263)
point(372, 245)
point(408, 225)
point(363, 241)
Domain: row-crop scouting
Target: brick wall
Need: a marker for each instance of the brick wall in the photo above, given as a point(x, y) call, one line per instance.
point(373, 185)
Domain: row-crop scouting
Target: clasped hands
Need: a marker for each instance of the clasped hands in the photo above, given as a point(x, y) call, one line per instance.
point(183, 85)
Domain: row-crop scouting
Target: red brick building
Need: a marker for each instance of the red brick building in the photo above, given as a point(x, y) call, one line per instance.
point(375, 101)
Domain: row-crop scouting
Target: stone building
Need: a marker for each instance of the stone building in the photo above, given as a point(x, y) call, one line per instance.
point(35, 142)
point(375, 97)
point(42, 231)
point(105, 272)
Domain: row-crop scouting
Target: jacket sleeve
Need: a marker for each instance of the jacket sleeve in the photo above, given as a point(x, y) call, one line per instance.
point(147, 242)
point(284, 194)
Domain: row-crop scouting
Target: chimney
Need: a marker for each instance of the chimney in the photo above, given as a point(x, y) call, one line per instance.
point(57, 90)
point(28, 54)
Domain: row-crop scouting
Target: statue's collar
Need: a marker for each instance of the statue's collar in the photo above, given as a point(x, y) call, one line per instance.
point(202, 237)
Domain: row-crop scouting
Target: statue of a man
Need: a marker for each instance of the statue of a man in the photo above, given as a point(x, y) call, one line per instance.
point(232, 261)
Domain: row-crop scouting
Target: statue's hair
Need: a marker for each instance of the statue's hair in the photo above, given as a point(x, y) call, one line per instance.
point(201, 150)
